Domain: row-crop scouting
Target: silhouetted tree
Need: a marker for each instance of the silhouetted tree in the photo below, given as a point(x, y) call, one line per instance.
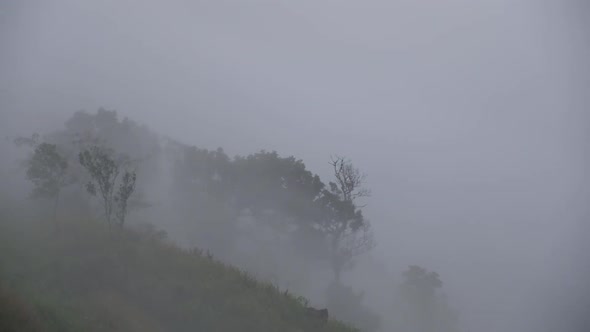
point(266, 181)
point(341, 220)
point(349, 180)
point(104, 171)
point(424, 309)
point(126, 188)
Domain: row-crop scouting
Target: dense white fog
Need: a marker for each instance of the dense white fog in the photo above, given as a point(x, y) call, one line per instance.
point(470, 120)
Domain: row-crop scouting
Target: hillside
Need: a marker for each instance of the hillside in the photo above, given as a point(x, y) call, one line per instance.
point(85, 278)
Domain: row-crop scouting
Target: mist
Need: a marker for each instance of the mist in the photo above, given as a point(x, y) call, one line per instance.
point(470, 120)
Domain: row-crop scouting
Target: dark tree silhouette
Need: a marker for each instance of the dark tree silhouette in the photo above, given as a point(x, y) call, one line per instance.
point(341, 220)
point(104, 171)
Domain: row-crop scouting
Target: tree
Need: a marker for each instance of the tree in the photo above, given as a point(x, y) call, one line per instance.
point(340, 218)
point(126, 188)
point(47, 169)
point(424, 309)
point(104, 171)
point(349, 180)
point(347, 306)
point(265, 181)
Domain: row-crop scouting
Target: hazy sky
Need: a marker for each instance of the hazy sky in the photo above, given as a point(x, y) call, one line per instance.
point(465, 114)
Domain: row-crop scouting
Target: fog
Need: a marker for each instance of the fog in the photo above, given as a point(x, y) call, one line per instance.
point(469, 118)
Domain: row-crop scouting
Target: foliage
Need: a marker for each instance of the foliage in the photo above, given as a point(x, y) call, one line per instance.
point(340, 218)
point(278, 191)
point(84, 130)
point(425, 309)
point(419, 283)
point(285, 204)
point(281, 193)
point(266, 181)
point(104, 172)
point(126, 188)
point(47, 170)
point(90, 281)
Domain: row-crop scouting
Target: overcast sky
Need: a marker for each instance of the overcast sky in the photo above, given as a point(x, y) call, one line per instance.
point(468, 116)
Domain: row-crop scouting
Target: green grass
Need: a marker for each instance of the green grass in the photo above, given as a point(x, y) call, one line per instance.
point(84, 278)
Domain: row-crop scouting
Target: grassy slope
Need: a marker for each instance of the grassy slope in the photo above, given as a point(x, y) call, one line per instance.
point(85, 279)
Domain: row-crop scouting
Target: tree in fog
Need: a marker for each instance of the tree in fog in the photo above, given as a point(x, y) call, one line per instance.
point(341, 219)
point(104, 172)
point(47, 170)
point(424, 308)
point(266, 181)
point(103, 128)
point(126, 188)
point(347, 305)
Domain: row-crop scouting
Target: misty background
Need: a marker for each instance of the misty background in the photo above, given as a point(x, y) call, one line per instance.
point(470, 118)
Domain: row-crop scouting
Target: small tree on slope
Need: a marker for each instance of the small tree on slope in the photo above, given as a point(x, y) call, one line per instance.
point(104, 172)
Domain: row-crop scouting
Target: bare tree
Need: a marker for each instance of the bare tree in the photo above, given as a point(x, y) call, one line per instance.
point(349, 179)
point(341, 219)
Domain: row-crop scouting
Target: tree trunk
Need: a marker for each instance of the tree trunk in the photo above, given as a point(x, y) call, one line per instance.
point(107, 211)
point(337, 272)
point(336, 260)
point(56, 224)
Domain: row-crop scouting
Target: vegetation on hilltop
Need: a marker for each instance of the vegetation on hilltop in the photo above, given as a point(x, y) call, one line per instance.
point(262, 213)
